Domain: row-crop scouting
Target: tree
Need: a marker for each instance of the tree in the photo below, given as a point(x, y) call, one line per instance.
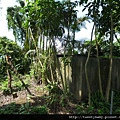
point(105, 26)
point(15, 20)
point(45, 21)
point(9, 51)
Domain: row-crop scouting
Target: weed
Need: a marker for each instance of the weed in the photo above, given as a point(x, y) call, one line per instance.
point(39, 110)
point(9, 109)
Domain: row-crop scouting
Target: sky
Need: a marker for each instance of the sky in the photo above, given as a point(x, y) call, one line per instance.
point(83, 34)
point(3, 23)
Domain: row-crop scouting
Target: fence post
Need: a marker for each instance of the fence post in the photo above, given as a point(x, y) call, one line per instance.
point(111, 105)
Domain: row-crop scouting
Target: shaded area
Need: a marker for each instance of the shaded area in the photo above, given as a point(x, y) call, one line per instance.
point(34, 106)
point(78, 85)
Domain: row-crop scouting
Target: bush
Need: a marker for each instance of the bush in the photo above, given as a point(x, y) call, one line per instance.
point(39, 110)
point(99, 103)
point(9, 109)
point(27, 109)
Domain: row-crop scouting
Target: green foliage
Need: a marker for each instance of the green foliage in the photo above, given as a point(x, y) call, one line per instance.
point(103, 48)
point(9, 47)
point(54, 88)
point(15, 19)
point(16, 84)
point(56, 97)
point(42, 18)
point(100, 11)
point(116, 102)
point(24, 108)
point(13, 108)
point(4, 85)
point(56, 101)
point(84, 109)
point(80, 109)
point(100, 103)
point(9, 109)
point(39, 110)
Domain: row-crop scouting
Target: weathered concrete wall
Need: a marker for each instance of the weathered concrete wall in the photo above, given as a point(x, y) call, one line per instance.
point(78, 84)
point(76, 79)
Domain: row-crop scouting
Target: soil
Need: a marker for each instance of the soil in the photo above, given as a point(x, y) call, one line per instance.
point(39, 98)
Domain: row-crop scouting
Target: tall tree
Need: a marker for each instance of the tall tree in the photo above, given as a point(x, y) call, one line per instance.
point(15, 19)
point(107, 23)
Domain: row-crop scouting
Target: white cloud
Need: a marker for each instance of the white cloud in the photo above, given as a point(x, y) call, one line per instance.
point(85, 33)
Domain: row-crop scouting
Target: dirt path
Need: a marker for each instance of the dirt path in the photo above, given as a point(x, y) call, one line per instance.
point(21, 97)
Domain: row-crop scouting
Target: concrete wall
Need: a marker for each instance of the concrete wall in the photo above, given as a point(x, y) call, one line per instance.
point(78, 84)
point(76, 79)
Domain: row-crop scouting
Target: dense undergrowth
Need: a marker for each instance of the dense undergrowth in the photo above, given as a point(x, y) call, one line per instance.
point(56, 101)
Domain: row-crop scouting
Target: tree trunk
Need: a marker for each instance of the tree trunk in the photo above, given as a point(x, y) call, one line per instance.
point(99, 73)
point(9, 80)
point(86, 70)
point(98, 61)
point(15, 71)
point(111, 61)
